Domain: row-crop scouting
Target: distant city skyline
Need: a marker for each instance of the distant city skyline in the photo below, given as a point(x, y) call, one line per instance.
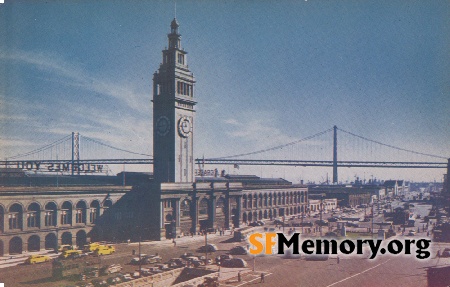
point(267, 73)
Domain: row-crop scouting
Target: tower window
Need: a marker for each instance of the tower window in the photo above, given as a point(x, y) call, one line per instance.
point(184, 89)
point(181, 59)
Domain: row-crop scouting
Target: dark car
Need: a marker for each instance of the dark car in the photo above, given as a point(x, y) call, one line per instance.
point(222, 257)
point(321, 222)
point(277, 221)
point(176, 262)
point(234, 263)
point(446, 253)
point(333, 219)
point(331, 235)
point(316, 257)
point(238, 250)
point(208, 248)
point(186, 255)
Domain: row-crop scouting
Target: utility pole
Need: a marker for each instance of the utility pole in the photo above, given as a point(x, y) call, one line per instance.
point(303, 214)
point(139, 249)
point(372, 218)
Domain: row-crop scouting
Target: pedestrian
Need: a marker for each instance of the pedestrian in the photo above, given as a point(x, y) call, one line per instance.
point(262, 278)
point(239, 276)
point(174, 243)
point(428, 233)
point(338, 259)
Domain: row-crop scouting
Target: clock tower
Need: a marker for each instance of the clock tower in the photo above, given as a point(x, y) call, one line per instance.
point(173, 114)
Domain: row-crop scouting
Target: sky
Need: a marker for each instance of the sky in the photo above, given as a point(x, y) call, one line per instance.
point(268, 73)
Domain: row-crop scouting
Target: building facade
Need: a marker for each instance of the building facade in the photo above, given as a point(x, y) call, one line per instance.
point(43, 212)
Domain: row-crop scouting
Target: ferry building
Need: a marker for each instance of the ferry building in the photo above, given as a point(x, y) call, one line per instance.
point(41, 212)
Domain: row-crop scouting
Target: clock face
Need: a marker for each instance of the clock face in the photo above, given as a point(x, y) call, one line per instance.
point(162, 126)
point(184, 127)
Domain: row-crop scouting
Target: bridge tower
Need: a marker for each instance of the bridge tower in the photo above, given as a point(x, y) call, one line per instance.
point(335, 165)
point(173, 114)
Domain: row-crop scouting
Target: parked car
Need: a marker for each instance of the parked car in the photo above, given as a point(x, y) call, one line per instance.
point(234, 263)
point(446, 252)
point(331, 235)
point(186, 255)
point(33, 259)
point(208, 248)
point(351, 224)
point(126, 277)
point(321, 222)
point(113, 280)
point(99, 282)
point(104, 250)
point(176, 262)
point(222, 257)
point(69, 253)
point(195, 261)
point(238, 250)
point(135, 261)
point(316, 257)
point(333, 219)
point(148, 259)
point(154, 270)
point(110, 269)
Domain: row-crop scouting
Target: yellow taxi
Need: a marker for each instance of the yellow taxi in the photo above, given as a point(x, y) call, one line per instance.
point(105, 250)
point(70, 253)
point(65, 247)
point(91, 247)
point(33, 259)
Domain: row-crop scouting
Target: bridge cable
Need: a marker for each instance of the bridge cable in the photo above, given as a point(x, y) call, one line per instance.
point(275, 147)
point(391, 146)
point(43, 148)
point(115, 148)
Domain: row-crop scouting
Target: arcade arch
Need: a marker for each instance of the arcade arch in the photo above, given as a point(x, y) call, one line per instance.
point(51, 241)
point(34, 243)
point(15, 245)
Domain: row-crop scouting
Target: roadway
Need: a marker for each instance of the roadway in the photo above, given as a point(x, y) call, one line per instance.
point(384, 270)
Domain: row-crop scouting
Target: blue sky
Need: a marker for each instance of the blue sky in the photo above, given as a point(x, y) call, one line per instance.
point(268, 73)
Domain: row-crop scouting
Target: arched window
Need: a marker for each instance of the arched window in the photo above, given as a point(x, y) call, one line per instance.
point(15, 216)
point(220, 206)
point(33, 215)
point(185, 208)
point(203, 206)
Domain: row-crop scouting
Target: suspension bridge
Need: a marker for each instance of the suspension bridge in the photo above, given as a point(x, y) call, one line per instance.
point(323, 149)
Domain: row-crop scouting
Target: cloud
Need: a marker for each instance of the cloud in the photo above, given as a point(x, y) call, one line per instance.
point(71, 74)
